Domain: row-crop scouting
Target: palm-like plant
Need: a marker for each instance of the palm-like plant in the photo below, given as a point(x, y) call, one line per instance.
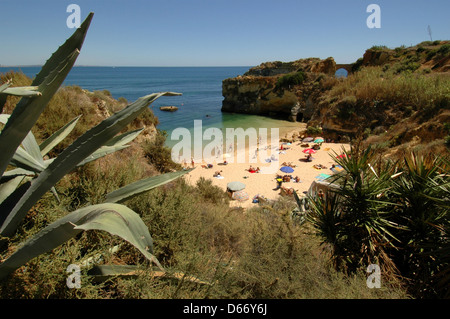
point(422, 196)
point(392, 214)
point(353, 217)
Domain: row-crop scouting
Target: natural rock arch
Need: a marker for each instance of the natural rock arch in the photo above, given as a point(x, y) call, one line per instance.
point(344, 73)
point(346, 67)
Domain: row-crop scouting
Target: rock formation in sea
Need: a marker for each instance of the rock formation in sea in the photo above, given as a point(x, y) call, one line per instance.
point(259, 91)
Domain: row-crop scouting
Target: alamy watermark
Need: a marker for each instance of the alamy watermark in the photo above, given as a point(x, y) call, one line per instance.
point(228, 145)
point(74, 19)
point(74, 279)
point(374, 279)
point(374, 20)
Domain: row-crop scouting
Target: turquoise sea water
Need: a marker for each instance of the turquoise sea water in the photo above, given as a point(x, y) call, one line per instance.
point(201, 88)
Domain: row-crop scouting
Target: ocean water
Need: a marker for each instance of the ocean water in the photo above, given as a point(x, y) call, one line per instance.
point(201, 89)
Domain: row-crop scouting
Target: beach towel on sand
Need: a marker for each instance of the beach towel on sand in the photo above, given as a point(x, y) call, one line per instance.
point(322, 176)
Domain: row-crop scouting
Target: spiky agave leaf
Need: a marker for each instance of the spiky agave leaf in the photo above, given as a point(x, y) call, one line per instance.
point(30, 166)
point(83, 147)
point(8, 185)
point(115, 144)
point(28, 91)
point(5, 85)
point(113, 218)
point(27, 157)
point(3, 97)
point(122, 194)
point(57, 137)
point(48, 81)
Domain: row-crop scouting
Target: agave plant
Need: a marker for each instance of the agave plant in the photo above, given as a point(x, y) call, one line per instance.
point(33, 176)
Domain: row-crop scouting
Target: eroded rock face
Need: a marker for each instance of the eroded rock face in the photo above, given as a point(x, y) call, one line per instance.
point(257, 92)
point(256, 95)
point(327, 66)
point(374, 57)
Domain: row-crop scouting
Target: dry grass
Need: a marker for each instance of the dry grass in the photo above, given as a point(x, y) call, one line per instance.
point(373, 84)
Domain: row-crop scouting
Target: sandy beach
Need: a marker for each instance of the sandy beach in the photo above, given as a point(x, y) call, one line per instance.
point(269, 160)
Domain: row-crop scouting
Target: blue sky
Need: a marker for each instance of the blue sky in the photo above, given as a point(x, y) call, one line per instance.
point(215, 32)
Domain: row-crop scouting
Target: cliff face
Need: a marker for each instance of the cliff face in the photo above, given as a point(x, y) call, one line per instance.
point(258, 90)
point(256, 95)
point(315, 65)
point(394, 96)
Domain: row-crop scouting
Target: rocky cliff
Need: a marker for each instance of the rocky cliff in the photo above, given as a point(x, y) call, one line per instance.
point(394, 92)
point(259, 90)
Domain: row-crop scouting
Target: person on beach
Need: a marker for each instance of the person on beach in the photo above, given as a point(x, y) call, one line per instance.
point(287, 191)
point(279, 182)
point(251, 169)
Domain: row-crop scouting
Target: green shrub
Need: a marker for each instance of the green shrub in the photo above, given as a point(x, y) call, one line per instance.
point(408, 66)
point(447, 126)
point(158, 154)
point(447, 140)
point(379, 48)
point(287, 80)
point(314, 130)
point(444, 50)
point(420, 49)
point(210, 192)
point(425, 43)
point(431, 54)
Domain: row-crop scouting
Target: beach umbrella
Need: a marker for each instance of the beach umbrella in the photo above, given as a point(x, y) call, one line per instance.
point(240, 196)
point(286, 169)
point(308, 139)
point(341, 156)
point(319, 140)
point(235, 186)
point(309, 151)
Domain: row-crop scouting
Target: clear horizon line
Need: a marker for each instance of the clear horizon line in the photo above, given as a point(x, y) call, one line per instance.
point(131, 66)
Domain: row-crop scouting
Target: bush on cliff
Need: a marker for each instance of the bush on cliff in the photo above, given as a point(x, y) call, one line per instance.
point(158, 154)
point(290, 79)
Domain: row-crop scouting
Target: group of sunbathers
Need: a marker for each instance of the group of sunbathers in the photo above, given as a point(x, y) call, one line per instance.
point(251, 169)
